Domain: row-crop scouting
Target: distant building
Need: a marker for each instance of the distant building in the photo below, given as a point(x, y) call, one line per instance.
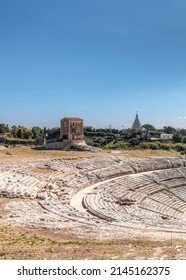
point(71, 129)
point(136, 124)
point(166, 136)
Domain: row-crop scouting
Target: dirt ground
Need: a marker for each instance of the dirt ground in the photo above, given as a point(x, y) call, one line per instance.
point(22, 153)
point(18, 243)
point(43, 244)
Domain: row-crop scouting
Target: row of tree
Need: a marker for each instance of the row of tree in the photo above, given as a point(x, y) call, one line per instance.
point(145, 133)
point(145, 145)
point(23, 132)
point(26, 133)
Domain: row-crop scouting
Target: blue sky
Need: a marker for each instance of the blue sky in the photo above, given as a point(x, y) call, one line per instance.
point(101, 60)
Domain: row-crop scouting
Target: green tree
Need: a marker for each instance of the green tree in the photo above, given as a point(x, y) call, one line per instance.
point(184, 139)
point(14, 130)
point(135, 133)
point(148, 128)
point(27, 133)
point(169, 129)
point(182, 131)
point(54, 133)
point(4, 128)
point(24, 132)
point(131, 133)
point(36, 131)
point(177, 137)
point(20, 132)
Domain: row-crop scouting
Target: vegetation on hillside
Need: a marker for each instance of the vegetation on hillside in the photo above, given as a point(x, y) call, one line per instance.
point(21, 132)
point(146, 138)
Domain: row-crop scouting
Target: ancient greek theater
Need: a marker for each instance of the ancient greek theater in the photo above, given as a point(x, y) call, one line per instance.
point(109, 196)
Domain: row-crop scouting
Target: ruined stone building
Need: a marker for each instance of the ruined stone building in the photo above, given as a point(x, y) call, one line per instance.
point(71, 129)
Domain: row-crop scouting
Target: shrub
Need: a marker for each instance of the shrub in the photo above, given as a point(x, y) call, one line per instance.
point(165, 146)
point(179, 147)
point(117, 145)
point(153, 146)
point(184, 139)
point(134, 141)
point(144, 145)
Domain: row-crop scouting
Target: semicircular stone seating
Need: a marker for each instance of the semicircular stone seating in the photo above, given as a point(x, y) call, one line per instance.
point(124, 192)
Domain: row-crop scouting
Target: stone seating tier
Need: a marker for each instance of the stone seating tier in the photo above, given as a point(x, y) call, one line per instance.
point(156, 187)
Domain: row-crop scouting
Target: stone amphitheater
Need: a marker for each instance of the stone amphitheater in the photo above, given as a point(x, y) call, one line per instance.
point(109, 196)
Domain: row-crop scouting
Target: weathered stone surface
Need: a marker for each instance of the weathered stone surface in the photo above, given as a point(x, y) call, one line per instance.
point(3, 148)
point(9, 153)
point(71, 129)
point(124, 192)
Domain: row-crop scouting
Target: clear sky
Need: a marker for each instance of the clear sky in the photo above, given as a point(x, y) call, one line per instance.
point(101, 60)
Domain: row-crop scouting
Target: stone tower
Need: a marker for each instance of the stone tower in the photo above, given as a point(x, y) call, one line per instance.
point(136, 124)
point(71, 129)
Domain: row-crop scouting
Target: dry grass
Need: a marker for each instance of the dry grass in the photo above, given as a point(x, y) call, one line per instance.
point(147, 153)
point(30, 153)
point(44, 244)
point(20, 153)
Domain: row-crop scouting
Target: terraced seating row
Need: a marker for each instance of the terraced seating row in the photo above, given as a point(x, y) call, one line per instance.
point(174, 183)
point(138, 165)
point(94, 208)
point(65, 212)
point(165, 175)
point(109, 172)
point(134, 182)
point(143, 198)
point(183, 170)
point(143, 165)
point(100, 163)
point(180, 192)
point(54, 167)
point(146, 198)
point(163, 210)
point(17, 185)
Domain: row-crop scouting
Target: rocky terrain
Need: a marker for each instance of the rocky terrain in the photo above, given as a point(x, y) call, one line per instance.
point(105, 197)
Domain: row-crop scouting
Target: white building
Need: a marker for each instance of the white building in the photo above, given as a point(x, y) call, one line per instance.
point(166, 136)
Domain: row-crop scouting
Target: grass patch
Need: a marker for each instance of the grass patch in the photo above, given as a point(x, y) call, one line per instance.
point(2, 254)
point(6, 238)
point(21, 244)
point(71, 243)
point(149, 153)
point(27, 152)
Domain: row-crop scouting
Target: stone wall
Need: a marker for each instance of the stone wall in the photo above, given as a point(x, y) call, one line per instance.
point(71, 129)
